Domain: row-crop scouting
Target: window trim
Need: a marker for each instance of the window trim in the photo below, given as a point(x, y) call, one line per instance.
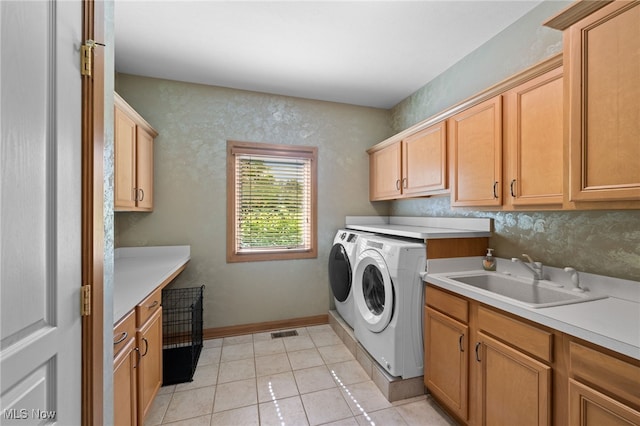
point(294, 151)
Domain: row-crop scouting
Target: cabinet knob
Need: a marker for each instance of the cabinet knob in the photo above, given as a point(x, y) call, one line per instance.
point(511, 188)
point(398, 184)
point(146, 346)
point(122, 338)
point(460, 343)
point(405, 182)
point(495, 188)
point(138, 361)
point(141, 194)
point(478, 352)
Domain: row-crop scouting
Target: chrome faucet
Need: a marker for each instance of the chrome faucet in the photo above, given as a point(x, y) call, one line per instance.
point(535, 268)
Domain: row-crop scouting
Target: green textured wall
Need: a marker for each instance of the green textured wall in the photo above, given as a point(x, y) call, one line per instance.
point(194, 123)
point(600, 242)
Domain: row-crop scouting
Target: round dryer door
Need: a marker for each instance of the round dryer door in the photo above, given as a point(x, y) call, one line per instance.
point(339, 272)
point(373, 291)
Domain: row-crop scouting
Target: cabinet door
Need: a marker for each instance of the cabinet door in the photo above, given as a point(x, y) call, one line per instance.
point(125, 161)
point(534, 141)
point(144, 170)
point(475, 138)
point(589, 407)
point(424, 161)
point(516, 389)
point(384, 173)
point(124, 385)
point(604, 104)
point(445, 360)
point(149, 339)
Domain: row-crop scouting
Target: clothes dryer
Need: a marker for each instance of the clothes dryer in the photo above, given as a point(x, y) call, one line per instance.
point(388, 298)
point(342, 258)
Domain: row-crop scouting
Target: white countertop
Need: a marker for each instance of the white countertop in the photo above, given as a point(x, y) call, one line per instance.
point(612, 322)
point(138, 271)
point(419, 231)
point(421, 227)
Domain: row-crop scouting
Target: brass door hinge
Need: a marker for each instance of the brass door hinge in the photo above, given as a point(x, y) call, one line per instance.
point(86, 56)
point(85, 300)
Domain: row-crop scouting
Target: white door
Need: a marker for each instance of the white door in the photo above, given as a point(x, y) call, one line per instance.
point(40, 205)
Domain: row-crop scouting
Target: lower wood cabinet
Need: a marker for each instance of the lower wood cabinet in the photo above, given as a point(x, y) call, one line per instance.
point(137, 366)
point(516, 389)
point(489, 367)
point(513, 363)
point(149, 339)
point(588, 407)
point(484, 367)
point(603, 390)
point(445, 360)
point(125, 385)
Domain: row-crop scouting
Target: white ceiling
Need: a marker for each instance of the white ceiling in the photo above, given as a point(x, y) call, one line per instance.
point(371, 53)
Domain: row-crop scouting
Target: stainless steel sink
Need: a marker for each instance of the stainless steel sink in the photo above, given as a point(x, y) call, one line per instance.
point(535, 295)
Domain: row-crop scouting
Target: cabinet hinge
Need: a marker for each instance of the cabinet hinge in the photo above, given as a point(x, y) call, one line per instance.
point(86, 56)
point(85, 300)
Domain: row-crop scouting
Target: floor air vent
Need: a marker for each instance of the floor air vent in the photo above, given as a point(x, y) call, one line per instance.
point(284, 334)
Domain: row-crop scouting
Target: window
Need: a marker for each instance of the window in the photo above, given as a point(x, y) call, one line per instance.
point(271, 202)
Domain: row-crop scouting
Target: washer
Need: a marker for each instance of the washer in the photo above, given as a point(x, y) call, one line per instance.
point(388, 299)
point(342, 258)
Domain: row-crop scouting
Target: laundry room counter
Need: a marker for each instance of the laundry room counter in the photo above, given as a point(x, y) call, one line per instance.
point(421, 227)
point(138, 271)
point(612, 322)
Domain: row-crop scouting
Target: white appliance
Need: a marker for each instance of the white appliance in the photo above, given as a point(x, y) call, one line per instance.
point(342, 260)
point(388, 298)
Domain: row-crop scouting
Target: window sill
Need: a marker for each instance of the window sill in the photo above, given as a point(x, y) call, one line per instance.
point(273, 255)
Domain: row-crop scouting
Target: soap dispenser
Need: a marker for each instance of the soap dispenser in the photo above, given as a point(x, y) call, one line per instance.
point(489, 262)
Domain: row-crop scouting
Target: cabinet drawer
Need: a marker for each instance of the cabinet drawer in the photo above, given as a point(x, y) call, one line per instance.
point(123, 332)
point(535, 341)
point(148, 307)
point(449, 304)
point(605, 371)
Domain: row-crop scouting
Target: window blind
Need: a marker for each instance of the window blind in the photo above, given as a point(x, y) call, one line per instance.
point(273, 203)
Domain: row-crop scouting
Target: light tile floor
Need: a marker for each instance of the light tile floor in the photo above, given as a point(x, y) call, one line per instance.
point(309, 379)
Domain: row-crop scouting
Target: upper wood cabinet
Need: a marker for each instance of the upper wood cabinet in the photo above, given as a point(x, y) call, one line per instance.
point(533, 142)
point(508, 150)
point(602, 63)
point(424, 161)
point(475, 143)
point(384, 173)
point(411, 167)
point(563, 134)
point(133, 150)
